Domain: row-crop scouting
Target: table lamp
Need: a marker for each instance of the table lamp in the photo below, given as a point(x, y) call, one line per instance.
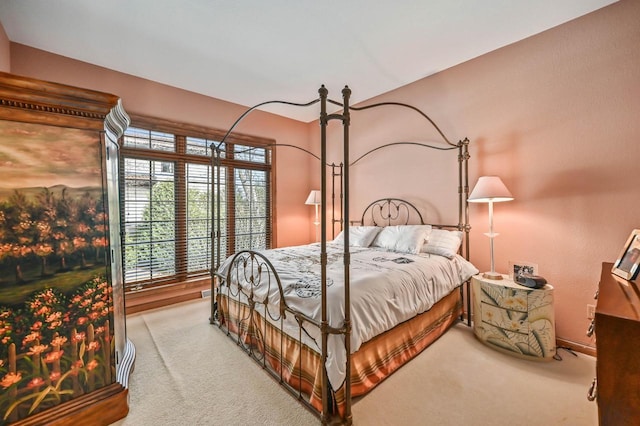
point(490, 189)
point(314, 200)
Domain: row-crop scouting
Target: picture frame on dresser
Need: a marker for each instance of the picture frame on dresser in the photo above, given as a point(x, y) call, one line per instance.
point(627, 265)
point(517, 267)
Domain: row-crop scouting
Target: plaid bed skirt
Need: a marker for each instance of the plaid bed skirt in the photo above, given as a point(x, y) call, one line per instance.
point(298, 365)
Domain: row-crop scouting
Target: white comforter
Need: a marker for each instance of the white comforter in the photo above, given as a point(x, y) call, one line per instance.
point(384, 291)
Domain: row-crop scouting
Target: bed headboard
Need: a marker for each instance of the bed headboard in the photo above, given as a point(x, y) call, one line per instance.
point(391, 211)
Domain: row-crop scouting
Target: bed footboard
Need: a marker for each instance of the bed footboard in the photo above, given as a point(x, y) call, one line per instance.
point(252, 311)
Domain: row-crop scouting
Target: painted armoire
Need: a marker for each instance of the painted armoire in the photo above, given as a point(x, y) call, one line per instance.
point(64, 355)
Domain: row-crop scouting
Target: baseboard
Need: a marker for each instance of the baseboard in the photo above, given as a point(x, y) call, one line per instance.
point(159, 297)
point(576, 347)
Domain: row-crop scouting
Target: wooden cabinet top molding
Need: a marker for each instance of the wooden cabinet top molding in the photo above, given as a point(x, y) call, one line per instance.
point(36, 101)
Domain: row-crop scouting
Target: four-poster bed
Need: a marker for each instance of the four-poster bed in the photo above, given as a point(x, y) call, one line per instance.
point(330, 320)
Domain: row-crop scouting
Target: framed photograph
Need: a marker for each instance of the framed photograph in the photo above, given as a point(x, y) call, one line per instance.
point(519, 267)
point(627, 264)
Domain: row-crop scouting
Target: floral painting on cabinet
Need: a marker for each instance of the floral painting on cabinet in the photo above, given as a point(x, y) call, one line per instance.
point(56, 309)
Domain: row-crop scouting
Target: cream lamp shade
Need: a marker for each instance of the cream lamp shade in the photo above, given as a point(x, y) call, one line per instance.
point(314, 198)
point(490, 189)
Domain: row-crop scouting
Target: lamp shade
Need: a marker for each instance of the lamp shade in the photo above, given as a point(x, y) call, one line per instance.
point(314, 198)
point(490, 189)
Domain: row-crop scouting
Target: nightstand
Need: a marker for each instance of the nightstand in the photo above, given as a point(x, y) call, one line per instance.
point(514, 319)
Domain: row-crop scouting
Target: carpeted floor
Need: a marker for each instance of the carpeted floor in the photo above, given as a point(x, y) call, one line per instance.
point(188, 373)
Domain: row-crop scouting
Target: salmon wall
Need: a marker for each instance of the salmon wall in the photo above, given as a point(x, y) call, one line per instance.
point(556, 116)
point(144, 97)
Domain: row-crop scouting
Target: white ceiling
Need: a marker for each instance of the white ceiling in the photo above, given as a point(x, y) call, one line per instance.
point(250, 51)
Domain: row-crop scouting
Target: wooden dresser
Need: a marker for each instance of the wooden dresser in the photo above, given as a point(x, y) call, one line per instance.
point(617, 327)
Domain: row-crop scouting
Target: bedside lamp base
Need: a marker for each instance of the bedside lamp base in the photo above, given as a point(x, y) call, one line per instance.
point(492, 275)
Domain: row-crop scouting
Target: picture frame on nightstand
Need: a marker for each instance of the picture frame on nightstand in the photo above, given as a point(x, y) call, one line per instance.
point(520, 267)
point(627, 265)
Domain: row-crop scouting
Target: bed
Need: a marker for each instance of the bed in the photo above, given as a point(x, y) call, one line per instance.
point(331, 320)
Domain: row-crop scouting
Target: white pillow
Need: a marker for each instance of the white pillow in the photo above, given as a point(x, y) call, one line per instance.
point(359, 236)
point(443, 242)
point(467, 269)
point(403, 238)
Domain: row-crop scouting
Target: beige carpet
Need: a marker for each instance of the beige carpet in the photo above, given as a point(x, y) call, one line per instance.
point(188, 373)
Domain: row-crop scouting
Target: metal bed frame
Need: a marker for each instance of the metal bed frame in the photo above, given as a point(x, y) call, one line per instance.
point(254, 268)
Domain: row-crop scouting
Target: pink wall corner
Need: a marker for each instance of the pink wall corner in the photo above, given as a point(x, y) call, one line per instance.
point(556, 116)
point(5, 51)
point(140, 96)
point(560, 126)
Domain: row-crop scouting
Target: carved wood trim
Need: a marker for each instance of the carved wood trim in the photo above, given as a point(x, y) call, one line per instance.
point(36, 101)
point(101, 407)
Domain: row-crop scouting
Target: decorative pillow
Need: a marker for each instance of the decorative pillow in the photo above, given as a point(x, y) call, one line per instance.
point(359, 236)
point(403, 238)
point(443, 242)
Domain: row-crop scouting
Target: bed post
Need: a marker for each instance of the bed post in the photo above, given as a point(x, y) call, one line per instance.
point(215, 231)
point(463, 189)
point(465, 142)
point(324, 416)
point(334, 175)
point(346, 93)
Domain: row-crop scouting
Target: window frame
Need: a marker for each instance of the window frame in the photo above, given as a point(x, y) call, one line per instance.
point(180, 158)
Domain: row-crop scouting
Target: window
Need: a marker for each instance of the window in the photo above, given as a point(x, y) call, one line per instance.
point(166, 181)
